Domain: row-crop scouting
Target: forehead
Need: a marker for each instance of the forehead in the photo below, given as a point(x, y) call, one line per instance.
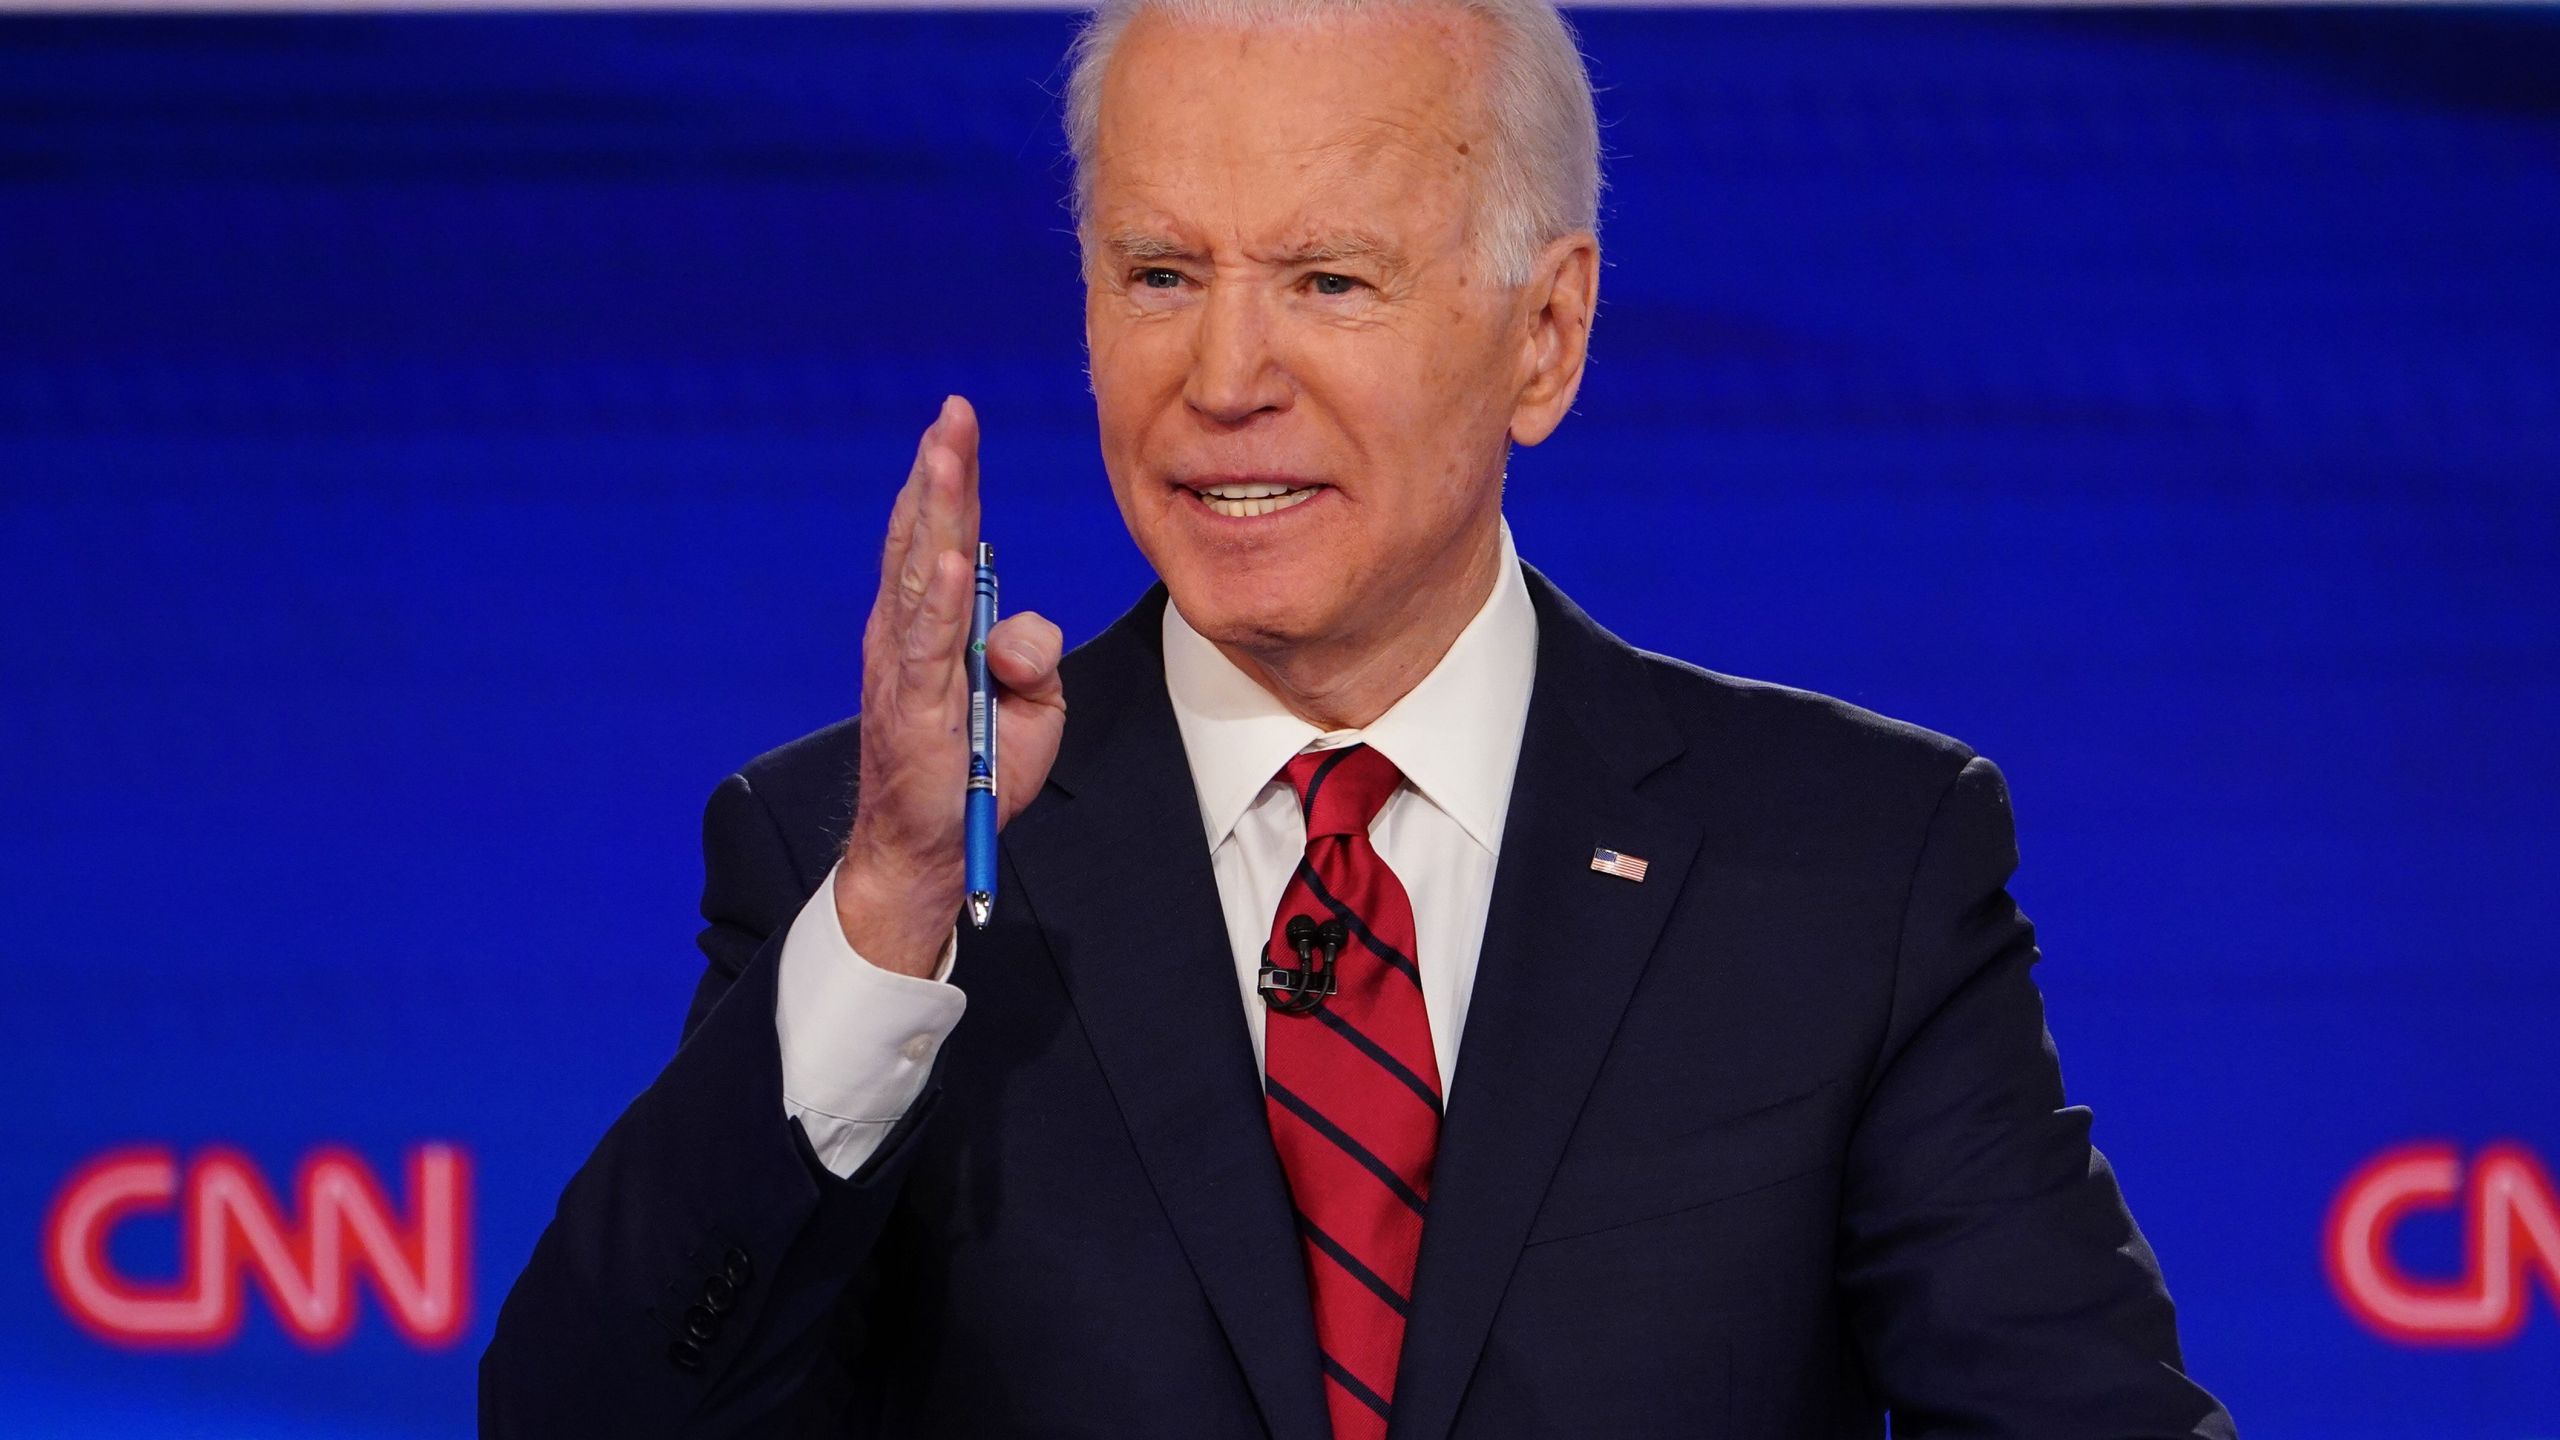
point(1371, 116)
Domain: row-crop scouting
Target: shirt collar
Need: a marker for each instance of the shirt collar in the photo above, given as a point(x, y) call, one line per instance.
point(1455, 735)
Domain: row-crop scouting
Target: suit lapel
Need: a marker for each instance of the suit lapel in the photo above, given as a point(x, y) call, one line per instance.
point(1563, 947)
point(1111, 865)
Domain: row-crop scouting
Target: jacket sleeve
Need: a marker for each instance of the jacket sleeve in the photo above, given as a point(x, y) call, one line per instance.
point(686, 1282)
point(1996, 1282)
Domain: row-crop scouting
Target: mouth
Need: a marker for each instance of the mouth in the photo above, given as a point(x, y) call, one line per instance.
point(1251, 499)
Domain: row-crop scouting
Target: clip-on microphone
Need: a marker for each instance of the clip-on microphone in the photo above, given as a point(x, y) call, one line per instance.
point(1295, 992)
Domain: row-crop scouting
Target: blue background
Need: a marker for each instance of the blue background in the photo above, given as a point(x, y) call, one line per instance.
point(435, 450)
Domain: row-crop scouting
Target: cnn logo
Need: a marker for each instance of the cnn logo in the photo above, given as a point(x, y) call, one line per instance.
point(231, 1231)
point(2510, 1236)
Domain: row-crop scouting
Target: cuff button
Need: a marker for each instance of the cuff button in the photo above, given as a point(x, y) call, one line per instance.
point(701, 1324)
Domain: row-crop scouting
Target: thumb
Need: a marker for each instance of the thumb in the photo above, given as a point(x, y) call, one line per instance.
point(1022, 655)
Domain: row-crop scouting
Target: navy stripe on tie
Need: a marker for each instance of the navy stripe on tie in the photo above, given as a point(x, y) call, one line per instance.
point(1351, 1384)
point(1290, 1101)
point(1315, 782)
point(1351, 1266)
point(1378, 1052)
point(1351, 921)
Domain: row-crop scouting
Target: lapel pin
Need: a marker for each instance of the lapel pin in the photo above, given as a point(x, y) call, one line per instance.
point(1625, 867)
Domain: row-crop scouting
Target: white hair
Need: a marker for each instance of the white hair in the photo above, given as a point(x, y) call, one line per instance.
point(1542, 178)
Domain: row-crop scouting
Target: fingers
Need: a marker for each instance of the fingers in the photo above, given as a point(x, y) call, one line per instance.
point(931, 684)
point(949, 520)
point(936, 509)
point(902, 520)
point(1022, 654)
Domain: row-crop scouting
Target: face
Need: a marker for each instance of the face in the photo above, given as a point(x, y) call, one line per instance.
point(1306, 383)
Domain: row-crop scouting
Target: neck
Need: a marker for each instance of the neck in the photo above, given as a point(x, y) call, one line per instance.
point(1347, 683)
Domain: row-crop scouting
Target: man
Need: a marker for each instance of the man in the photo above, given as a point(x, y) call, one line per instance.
point(1680, 1074)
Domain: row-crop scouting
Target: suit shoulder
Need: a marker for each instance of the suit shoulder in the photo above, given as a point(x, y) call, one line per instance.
point(1782, 727)
point(825, 756)
point(808, 786)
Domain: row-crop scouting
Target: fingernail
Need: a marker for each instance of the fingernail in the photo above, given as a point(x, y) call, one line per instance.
point(950, 408)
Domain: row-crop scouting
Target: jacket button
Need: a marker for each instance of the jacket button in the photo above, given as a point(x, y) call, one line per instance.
point(685, 1355)
point(738, 1267)
point(701, 1324)
point(718, 1295)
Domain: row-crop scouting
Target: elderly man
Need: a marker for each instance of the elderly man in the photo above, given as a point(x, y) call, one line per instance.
point(1757, 1132)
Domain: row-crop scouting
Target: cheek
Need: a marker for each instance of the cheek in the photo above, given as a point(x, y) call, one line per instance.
point(1136, 370)
point(1431, 415)
point(1473, 367)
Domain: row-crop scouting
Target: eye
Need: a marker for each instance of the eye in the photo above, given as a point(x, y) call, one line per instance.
point(1156, 277)
point(1326, 283)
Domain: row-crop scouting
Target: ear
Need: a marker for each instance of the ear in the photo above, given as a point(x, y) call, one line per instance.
point(1561, 295)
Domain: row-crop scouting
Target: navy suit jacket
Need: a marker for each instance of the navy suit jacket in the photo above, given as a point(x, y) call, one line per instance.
point(1764, 1146)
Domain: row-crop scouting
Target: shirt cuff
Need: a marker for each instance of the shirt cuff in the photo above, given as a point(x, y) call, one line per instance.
point(858, 1042)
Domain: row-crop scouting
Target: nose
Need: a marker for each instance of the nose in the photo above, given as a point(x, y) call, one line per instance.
point(1235, 374)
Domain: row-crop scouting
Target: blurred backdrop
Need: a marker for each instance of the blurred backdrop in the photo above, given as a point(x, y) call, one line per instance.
point(436, 448)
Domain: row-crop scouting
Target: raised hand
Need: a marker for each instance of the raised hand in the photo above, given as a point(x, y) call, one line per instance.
point(900, 883)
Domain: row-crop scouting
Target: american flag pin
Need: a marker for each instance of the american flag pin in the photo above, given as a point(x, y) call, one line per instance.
point(1625, 867)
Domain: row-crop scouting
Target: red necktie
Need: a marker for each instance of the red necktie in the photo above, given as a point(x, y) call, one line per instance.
point(1353, 1089)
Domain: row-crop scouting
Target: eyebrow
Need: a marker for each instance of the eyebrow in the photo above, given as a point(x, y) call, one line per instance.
point(1350, 245)
point(1136, 245)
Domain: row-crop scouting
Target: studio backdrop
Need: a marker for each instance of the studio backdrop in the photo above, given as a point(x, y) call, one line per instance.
point(435, 449)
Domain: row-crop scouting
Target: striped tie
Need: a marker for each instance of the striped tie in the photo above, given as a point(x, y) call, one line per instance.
point(1353, 1089)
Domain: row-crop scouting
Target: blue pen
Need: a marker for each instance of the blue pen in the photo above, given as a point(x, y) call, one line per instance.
point(981, 817)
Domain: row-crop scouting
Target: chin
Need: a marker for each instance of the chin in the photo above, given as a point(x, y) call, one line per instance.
point(1249, 612)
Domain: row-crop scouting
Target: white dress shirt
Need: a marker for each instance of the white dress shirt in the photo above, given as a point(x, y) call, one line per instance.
point(858, 1041)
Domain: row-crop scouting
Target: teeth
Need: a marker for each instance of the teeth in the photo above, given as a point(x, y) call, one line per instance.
point(1261, 499)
